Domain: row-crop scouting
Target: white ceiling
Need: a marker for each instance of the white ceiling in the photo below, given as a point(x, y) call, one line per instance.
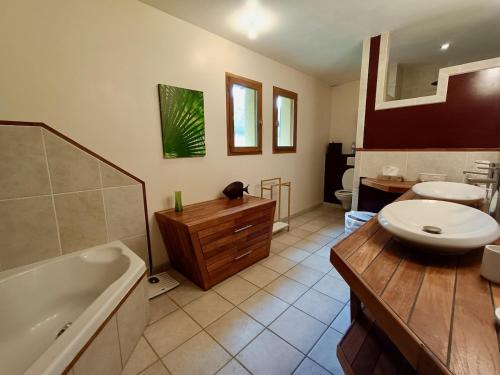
point(320, 37)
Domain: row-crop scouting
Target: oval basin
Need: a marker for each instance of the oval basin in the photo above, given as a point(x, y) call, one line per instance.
point(450, 191)
point(444, 227)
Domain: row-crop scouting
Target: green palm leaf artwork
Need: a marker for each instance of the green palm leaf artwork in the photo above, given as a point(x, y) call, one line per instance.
point(182, 122)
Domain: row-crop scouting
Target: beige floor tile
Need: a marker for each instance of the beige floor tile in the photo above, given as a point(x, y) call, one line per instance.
point(277, 247)
point(300, 232)
point(319, 306)
point(156, 369)
point(308, 245)
point(259, 275)
point(310, 227)
point(208, 308)
point(286, 289)
point(320, 222)
point(160, 306)
point(295, 254)
point(332, 231)
point(278, 263)
point(299, 220)
point(268, 354)
point(324, 252)
point(236, 290)
point(316, 237)
point(171, 331)
point(333, 287)
point(309, 367)
point(200, 355)
point(304, 275)
point(342, 322)
point(287, 238)
point(263, 307)
point(324, 352)
point(335, 273)
point(298, 329)
point(234, 330)
point(233, 368)
point(311, 214)
point(141, 358)
point(318, 263)
point(185, 293)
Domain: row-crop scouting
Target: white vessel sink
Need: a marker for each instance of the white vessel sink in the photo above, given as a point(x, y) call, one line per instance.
point(444, 227)
point(450, 191)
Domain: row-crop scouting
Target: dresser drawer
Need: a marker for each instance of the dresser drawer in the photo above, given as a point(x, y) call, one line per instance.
point(234, 235)
point(242, 259)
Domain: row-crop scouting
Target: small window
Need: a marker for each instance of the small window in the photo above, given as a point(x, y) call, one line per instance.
point(244, 115)
point(284, 120)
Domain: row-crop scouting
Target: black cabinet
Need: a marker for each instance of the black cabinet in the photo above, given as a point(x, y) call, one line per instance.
point(335, 166)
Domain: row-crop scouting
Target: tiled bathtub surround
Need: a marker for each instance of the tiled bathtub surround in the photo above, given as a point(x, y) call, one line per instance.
point(112, 347)
point(55, 199)
point(411, 163)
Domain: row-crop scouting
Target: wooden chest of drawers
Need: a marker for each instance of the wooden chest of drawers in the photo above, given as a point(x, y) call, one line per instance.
point(210, 241)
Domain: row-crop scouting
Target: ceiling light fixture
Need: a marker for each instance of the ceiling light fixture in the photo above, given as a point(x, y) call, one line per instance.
point(445, 46)
point(252, 19)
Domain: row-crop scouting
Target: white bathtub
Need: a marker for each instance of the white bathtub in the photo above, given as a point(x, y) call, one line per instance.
point(38, 300)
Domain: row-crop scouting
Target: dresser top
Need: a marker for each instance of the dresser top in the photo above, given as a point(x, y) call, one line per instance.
point(200, 212)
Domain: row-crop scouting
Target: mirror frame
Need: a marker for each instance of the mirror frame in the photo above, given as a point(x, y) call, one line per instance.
point(232, 79)
point(277, 91)
point(442, 86)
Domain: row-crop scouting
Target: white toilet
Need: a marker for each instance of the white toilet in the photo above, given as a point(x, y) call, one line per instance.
point(345, 195)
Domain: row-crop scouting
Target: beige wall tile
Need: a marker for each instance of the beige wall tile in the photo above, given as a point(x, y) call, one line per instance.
point(138, 245)
point(141, 358)
point(28, 231)
point(23, 167)
point(491, 156)
point(103, 354)
point(81, 220)
point(372, 162)
point(112, 177)
point(124, 212)
point(450, 163)
point(70, 168)
point(132, 318)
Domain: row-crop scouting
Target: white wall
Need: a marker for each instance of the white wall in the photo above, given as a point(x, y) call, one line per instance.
point(344, 114)
point(90, 69)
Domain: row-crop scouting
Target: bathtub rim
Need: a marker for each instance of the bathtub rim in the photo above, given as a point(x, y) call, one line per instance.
point(63, 353)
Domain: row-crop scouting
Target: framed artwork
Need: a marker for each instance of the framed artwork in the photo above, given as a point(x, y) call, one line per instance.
point(182, 122)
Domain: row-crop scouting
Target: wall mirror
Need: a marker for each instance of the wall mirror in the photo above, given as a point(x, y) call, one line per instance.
point(244, 115)
point(413, 58)
point(284, 120)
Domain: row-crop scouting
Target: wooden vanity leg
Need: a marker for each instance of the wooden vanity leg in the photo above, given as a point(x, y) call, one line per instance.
point(355, 306)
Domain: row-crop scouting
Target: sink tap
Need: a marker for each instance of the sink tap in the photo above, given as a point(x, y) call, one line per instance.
point(492, 182)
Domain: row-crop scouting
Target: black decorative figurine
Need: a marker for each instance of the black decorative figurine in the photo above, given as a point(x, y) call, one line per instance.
point(235, 190)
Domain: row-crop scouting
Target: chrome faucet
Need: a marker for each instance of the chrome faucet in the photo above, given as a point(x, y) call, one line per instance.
point(492, 182)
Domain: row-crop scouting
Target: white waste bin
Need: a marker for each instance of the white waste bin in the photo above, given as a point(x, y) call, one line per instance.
point(355, 219)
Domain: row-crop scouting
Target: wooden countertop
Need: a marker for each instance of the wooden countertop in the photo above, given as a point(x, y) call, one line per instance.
point(437, 310)
point(388, 185)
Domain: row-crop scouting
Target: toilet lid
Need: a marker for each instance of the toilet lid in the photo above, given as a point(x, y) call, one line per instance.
point(348, 179)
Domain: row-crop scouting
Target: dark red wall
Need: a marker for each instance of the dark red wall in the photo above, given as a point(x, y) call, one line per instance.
point(470, 117)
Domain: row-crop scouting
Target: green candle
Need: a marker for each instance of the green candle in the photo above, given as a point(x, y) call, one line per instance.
point(178, 201)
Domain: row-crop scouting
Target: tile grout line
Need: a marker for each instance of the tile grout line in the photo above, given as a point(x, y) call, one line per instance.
point(103, 201)
point(51, 192)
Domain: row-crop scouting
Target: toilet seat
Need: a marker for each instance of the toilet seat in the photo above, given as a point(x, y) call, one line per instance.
point(345, 195)
point(344, 192)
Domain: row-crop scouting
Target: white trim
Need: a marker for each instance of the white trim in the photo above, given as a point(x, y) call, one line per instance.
point(363, 87)
point(442, 86)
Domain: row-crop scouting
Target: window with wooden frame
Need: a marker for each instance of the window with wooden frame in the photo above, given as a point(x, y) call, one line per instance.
point(284, 120)
point(244, 115)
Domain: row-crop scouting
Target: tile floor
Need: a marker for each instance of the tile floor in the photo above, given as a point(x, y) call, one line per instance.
point(284, 315)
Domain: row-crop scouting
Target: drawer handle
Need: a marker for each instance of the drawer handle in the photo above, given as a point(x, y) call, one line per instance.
point(243, 255)
point(243, 228)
